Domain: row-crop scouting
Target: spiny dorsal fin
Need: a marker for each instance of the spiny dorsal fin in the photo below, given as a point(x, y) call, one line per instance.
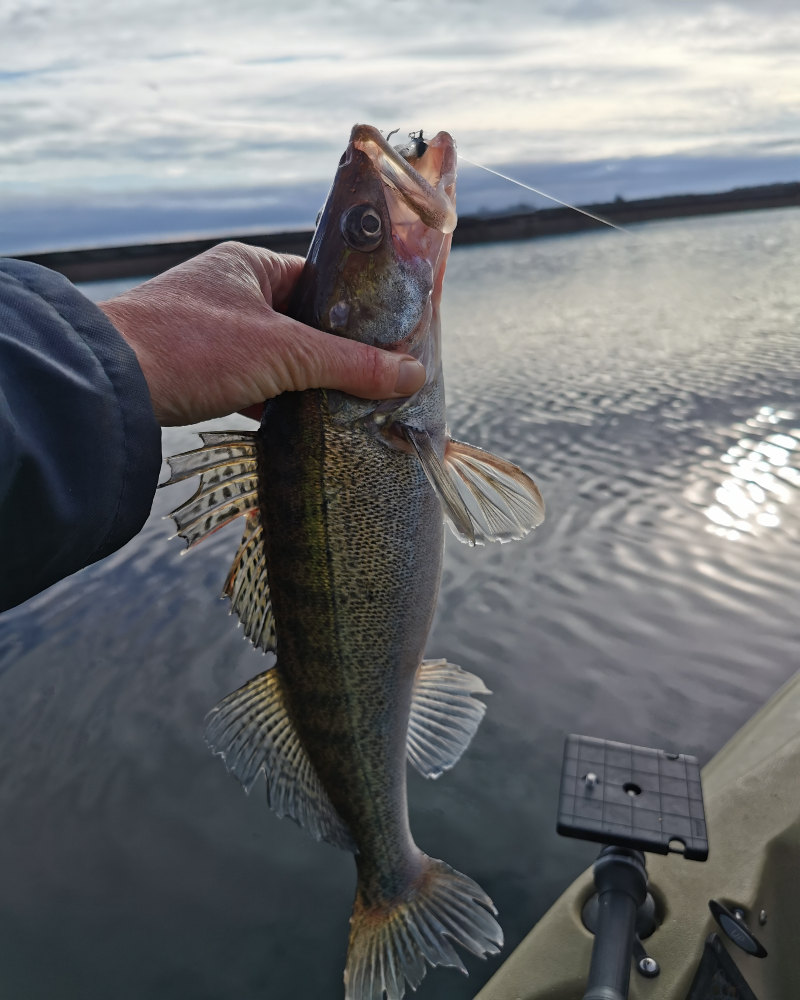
point(391, 942)
point(485, 498)
point(227, 466)
point(247, 586)
point(214, 506)
point(444, 716)
point(220, 448)
point(252, 731)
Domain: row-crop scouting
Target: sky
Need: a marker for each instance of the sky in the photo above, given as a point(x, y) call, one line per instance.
point(162, 117)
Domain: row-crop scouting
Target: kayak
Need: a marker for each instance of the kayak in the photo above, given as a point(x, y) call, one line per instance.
point(751, 790)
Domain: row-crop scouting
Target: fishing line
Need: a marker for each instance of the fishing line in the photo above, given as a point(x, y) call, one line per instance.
point(238, 123)
point(544, 194)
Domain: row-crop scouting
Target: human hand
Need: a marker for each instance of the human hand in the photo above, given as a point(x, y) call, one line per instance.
point(211, 339)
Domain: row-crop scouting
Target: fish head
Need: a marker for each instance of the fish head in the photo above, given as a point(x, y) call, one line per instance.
point(376, 263)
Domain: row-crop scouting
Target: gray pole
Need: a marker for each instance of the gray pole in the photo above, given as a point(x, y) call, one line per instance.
point(621, 880)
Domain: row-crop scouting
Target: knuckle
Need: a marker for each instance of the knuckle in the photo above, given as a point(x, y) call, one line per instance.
point(226, 247)
point(378, 366)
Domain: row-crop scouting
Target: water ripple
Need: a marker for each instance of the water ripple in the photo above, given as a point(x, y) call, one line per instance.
point(650, 384)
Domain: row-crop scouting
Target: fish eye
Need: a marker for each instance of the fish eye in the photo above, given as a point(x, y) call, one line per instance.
point(362, 228)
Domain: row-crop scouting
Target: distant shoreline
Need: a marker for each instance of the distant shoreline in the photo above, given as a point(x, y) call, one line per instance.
point(142, 260)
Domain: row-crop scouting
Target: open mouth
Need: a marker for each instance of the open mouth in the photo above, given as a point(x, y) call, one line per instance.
point(424, 191)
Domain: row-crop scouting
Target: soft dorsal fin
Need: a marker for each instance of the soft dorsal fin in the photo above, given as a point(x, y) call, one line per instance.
point(485, 498)
point(444, 716)
point(247, 586)
point(253, 733)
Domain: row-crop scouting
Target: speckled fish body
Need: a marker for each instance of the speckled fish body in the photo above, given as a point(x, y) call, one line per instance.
point(339, 568)
point(355, 554)
point(354, 571)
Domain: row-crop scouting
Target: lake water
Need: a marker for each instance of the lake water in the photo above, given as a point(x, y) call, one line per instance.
point(650, 382)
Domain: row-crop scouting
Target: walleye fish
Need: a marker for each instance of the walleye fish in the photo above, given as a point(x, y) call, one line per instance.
point(339, 566)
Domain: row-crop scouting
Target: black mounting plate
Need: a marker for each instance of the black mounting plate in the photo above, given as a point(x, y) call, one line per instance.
point(629, 796)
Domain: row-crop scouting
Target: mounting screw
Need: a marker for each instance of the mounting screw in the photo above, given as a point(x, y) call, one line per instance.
point(762, 918)
point(649, 967)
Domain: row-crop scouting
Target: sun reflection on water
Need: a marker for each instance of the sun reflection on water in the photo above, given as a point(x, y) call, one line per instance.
point(764, 474)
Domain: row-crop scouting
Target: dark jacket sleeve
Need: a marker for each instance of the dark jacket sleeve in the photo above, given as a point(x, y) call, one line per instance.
point(80, 448)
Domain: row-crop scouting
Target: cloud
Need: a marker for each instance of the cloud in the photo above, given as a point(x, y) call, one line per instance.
point(145, 94)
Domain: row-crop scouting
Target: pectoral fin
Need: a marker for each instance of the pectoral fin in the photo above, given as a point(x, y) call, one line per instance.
point(252, 731)
point(444, 716)
point(485, 498)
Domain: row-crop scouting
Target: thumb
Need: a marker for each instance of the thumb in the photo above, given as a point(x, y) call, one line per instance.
point(319, 360)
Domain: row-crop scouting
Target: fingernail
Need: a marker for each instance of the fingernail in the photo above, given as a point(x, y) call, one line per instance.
point(410, 377)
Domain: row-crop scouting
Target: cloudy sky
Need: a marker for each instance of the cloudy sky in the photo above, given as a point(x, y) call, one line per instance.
point(161, 116)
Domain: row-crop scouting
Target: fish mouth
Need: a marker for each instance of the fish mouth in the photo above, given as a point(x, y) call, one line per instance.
point(420, 193)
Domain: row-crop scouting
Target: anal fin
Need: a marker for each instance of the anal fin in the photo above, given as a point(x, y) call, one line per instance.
point(444, 716)
point(485, 498)
point(253, 733)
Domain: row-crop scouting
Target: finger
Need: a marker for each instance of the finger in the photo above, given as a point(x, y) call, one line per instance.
point(254, 412)
point(372, 373)
point(277, 272)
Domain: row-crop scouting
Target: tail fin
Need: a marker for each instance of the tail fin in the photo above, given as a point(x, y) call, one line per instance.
point(390, 944)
